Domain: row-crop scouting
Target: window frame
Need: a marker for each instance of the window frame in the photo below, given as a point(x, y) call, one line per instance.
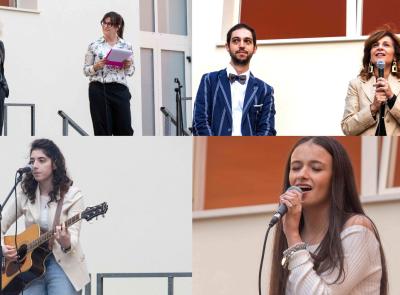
point(354, 23)
point(21, 9)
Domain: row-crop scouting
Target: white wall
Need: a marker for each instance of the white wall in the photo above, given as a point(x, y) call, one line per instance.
point(147, 183)
point(227, 251)
point(45, 55)
point(310, 80)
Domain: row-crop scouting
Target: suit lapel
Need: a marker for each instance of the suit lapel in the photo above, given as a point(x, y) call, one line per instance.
point(368, 88)
point(225, 87)
point(394, 83)
point(251, 91)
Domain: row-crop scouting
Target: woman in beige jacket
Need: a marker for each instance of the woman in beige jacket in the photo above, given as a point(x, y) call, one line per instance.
point(66, 272)
point(372, 107)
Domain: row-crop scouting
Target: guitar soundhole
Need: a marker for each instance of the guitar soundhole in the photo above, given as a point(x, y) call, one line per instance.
point(22, 253)
point(13, 267)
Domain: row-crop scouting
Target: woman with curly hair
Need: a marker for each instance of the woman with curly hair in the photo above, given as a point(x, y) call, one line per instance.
point(325, 244)
point(43, 190)
point(372, 107)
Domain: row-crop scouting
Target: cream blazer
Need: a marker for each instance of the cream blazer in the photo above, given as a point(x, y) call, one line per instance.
point(73, 263)
point(357, 118)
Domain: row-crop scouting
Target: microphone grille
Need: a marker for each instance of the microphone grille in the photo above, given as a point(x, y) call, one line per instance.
point(380, 64)
point(295, 188)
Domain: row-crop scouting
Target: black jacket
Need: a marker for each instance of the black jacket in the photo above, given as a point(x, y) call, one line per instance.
point(3, 80)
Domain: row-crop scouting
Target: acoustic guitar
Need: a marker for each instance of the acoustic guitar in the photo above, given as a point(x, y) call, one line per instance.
point(32, 250)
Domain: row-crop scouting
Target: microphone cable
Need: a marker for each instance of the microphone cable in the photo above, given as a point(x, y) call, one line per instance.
point(105, 96)
point(106, 103)
point(262, 258)
point(18, 263)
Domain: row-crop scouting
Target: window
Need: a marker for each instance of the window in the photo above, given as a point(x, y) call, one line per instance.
point(165, 46)
point(286, 19)
point(23, 4)
point(377, 13)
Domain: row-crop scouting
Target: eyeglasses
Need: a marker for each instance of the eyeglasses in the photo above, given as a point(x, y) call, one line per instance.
point(107, 24)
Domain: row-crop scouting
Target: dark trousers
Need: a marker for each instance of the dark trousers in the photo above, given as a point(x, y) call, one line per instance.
point(1, 112)
point(110, 108)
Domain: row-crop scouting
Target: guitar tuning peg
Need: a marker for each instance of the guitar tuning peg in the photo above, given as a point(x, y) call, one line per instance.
point(103, 216)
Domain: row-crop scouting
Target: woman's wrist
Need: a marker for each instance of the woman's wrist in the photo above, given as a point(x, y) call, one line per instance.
point(373, 110)
point(293, 239)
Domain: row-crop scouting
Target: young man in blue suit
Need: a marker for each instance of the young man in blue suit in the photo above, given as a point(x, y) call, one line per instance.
point(232, 101)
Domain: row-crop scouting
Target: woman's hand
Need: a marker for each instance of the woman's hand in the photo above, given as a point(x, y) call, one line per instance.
point(382, 94)
point(127, 63)
point(10, 253)
point(291, 220)
point(63, 237)
point(100, 64)
point(382, 86)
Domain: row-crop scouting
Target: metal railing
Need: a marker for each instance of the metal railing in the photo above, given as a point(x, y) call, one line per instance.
point(170, 276)
point(171, 119)
point(88, 287)
point(67, 121)
point(30, 105)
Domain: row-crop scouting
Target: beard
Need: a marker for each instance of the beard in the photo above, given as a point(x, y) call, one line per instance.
point(238, 61)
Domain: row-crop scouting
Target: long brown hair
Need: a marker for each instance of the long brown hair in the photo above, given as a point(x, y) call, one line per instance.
point(61, 182)
point(372, 39)
point(344, 203)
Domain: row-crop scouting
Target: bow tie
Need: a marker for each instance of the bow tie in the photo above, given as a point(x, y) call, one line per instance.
point(240, 78)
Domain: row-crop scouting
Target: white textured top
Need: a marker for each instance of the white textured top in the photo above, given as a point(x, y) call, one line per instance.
point(362, 266)
point(44, 212)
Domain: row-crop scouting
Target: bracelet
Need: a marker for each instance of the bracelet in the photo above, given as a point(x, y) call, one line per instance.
point(290, 251)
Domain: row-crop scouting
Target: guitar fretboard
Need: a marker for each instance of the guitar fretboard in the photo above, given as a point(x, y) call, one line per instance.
point(47, 236)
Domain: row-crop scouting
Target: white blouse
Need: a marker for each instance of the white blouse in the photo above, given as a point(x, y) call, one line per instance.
point(109, 74)
point(362, 266)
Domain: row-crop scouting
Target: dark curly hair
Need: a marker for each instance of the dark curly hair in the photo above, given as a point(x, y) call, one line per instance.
point(61, 182)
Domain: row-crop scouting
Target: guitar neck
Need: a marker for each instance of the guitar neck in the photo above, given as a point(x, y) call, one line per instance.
point(48, 235)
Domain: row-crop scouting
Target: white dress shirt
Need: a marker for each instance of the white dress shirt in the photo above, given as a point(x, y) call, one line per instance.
point(238, 92)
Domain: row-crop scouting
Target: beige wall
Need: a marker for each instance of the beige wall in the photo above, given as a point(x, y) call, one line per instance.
point(227, 251)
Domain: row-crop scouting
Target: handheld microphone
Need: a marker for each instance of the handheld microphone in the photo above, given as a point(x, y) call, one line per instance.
point(380, 64)
point(282, 209)
point(381, 130)
point(27, 169)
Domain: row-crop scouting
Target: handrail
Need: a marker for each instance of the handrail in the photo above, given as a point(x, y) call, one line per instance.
point(31, 105)
point(68, 121)
point(169, 115)
point(170, 276)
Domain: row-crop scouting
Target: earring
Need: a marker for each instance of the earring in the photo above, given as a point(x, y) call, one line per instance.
point(370, 68)
point(394, 66)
